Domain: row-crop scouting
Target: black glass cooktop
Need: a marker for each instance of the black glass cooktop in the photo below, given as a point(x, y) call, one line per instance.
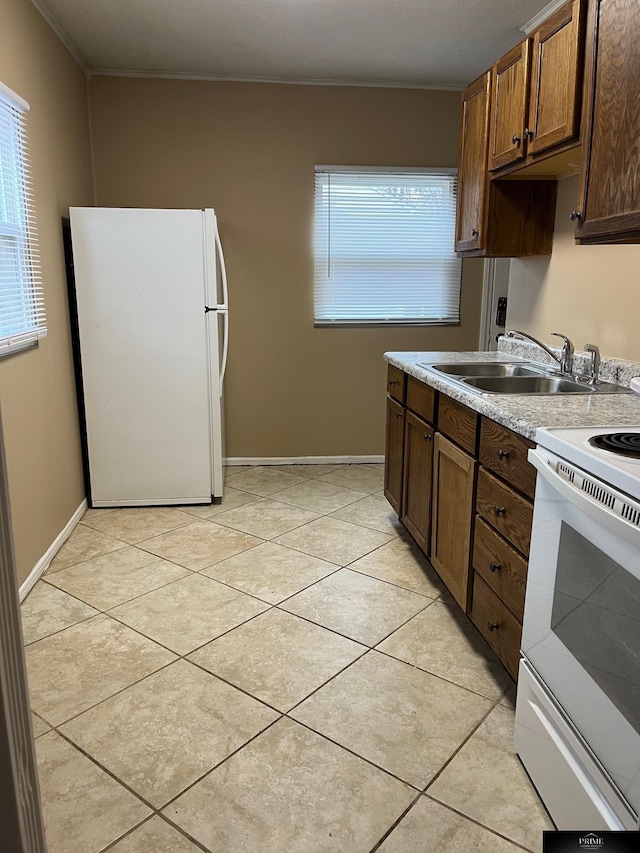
point(621, 443)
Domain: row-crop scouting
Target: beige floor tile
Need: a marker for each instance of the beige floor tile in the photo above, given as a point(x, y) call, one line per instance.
point(84, 808)
point(263, 481)
point(319, 497)
point(278, 657)
point(166, 731)
point(336, 541)
point(309, 471)
point(188, 613)
point(83, 544)
point(445, 830)
point(47, 610)
point(199, 545)
point(509, 699)
point(155, 836)
point(116, 577)
point(414, 721)
point(82, 665)
point(266, 518)
point(230, 470)
point(357, 606)
point(360, 477)
point(374, 512)
point(94, 513)
point(133, 524)
point(401, 563)
point(230, 499)
point(39, 726)
point(270, 572)
point(443, 641)
point(291, 790)
point(487, 782)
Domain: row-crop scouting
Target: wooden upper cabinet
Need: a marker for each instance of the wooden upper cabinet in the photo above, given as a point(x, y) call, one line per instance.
point(509, 103)
point(609, 206)
point(472, 165)
point(556, 79)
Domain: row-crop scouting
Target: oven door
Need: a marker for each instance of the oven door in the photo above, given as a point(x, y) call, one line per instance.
point(581, 628)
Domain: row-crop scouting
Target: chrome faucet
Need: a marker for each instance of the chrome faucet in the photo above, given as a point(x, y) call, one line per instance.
point(566, 355)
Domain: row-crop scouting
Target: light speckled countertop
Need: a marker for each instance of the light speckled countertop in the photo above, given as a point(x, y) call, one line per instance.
point(522, 414)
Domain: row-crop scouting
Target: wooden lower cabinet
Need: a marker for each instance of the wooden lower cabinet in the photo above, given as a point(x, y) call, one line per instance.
point(454, 479)
point(418, 473)
point(497, 624)
point(394, 454)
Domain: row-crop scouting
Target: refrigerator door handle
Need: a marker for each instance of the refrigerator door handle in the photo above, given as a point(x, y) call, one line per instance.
point(223, 269)
point(225, 347)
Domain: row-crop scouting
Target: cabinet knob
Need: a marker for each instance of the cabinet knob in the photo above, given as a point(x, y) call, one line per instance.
point(427, 437)
point(492, 626)
point(474, 232)
point(502, 454)
point(393, 382)
point(398, 414)
point(516, 139)
point(574, 215)
point(528, 134)
point(494, 567)
point(499, 510)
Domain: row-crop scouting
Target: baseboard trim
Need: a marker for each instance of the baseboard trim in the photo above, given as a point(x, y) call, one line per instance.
point(302, 460)
point(43, 563)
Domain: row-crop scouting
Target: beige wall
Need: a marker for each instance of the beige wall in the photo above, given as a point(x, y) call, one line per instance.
point(590, 293)
point(37, 392)
point(249, 150)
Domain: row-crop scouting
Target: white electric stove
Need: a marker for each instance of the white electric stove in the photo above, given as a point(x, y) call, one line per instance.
point(578, 706)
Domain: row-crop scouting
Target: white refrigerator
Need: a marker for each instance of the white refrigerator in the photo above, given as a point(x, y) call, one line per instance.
point(153, 333)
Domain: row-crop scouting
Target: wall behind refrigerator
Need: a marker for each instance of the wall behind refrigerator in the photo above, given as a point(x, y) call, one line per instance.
point(249, 150)
point(37, 390)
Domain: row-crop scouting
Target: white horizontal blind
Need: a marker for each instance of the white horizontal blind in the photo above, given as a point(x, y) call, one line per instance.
point(22, 318)
point(383, 247)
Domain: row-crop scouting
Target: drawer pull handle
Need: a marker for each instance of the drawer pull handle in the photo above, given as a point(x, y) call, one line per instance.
point(502, 454)
point(499, 510)
point(495, 567)
point(427, 437)
point(492, 626)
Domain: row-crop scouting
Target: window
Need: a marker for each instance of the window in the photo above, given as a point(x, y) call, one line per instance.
point(383, 246)
point(22, 319)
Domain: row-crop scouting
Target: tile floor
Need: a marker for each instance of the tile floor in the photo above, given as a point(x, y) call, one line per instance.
point(282, 672)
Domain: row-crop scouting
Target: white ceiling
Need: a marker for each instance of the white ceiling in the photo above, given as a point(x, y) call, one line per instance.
point(438, 43)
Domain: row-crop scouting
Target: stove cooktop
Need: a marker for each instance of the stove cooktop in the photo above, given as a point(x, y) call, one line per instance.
point(611, 454)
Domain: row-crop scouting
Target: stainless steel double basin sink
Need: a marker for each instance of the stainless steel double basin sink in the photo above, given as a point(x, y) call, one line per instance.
point(525, 378)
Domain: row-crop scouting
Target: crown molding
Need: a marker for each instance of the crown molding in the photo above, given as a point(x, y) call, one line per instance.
point(542, 16)
point(62, 35)
point(220, 78)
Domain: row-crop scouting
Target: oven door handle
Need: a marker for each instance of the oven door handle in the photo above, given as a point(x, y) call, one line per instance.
point(582, 501)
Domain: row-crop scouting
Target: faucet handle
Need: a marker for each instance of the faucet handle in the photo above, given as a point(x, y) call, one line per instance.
point(567, 341)
point(566, 359)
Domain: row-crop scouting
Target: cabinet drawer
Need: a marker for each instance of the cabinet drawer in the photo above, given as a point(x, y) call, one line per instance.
point(497, 624)
point(501, 566)
point(505, 509)
point(396, 383)
point(505, 452)
point(458, 423)
point(421, 399)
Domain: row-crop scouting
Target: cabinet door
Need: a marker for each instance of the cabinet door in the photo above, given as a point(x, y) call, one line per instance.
point(418, 468)
point(609, 207)
point(510, 101)
point(393, 455)
point(472, 165)
point(454, 475)
point(556, 79)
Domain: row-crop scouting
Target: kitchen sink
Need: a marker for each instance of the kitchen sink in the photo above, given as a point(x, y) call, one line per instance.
point(487, 368)
point(527, 378)
point(528, 385)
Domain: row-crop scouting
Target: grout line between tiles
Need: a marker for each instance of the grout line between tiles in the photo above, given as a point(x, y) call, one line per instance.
point(477, 822)
point(377, 845)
